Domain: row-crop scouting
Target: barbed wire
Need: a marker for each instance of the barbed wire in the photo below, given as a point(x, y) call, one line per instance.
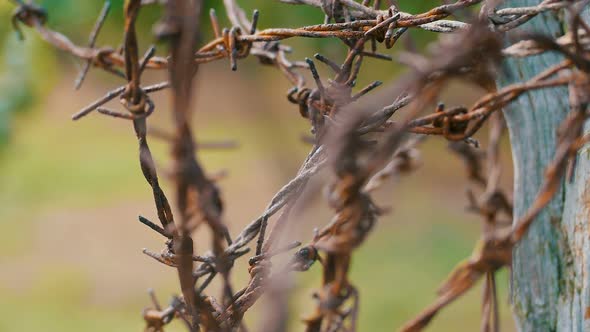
point(363, 150)
point(378, 24)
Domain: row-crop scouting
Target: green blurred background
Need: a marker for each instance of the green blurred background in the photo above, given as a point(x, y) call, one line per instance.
point(70, 192)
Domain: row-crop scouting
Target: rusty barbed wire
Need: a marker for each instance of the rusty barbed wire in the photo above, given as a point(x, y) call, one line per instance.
point(368, 22)
point(494, 250)
point(363, 150)
point(356, 214)
point(489, 254)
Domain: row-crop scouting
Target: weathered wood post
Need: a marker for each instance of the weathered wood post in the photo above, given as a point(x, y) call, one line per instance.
point(550, 283)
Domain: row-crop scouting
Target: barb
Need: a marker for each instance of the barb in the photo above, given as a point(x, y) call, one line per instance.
point(92, 41)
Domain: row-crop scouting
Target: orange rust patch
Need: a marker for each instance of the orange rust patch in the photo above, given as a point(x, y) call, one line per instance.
point(587, 313)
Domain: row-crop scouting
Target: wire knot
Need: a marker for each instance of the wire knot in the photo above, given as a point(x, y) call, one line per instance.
point(28, 14)
point(234, 46)
point(102, 58)
point(300, 97)
point(384, 30)
point(450, 127)
point(128, 102)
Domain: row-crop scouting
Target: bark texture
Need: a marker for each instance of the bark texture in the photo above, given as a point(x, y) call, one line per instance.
point(550, 266)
